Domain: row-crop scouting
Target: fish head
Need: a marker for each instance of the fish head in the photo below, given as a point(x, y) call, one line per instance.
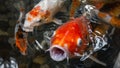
point(67, 40)
point(32, 18)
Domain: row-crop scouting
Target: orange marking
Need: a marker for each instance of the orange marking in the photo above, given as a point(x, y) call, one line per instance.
point(29, 18)
point(115, 22)
point(44, 14)
point(21, 42)
point(74, 6)
point(101, 15)
point(35, 11)
point(47, 14)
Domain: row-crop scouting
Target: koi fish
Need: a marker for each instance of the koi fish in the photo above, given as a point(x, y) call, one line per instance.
point(21, 41)
point(70, 40)
point(112, 20)
point(75, 4)
point(109, 15)
point(20, 35)
point(112, 11)
point(43, 12)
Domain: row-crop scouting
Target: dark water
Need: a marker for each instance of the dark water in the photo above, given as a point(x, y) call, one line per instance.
point(9, 13)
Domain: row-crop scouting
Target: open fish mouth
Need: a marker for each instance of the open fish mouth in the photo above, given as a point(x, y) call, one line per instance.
point(58, 53)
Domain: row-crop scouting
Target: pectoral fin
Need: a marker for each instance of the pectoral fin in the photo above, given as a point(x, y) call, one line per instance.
point(97, 61)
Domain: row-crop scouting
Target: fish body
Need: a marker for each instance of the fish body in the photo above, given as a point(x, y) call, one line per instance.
point(21, 39)
point(20, 35)
point(43, 11)
point(75, 4)
point(112, 20)
point(69, 38)
point(108, 11)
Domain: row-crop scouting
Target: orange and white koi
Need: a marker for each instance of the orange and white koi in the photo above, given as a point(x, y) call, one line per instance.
point(114, 21)
point(21, 41)
point(20, 35)
point(109, 15)
point(109, 18)
point(44, 11)
point(72, 39)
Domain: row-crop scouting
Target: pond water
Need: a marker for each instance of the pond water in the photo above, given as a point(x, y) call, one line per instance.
point(40, 58)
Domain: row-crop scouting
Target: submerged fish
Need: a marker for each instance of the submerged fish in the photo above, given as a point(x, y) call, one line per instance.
point(20, 35)
point(113, 20)
point(108, 11)
point(21, 40)
point(75, 4)
point(70, 38)
point(42, 13)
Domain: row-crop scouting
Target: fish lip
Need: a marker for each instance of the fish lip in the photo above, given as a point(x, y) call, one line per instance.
point(56, 56)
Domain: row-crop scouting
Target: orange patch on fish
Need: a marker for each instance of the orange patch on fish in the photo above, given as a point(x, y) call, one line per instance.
point(74, 6)
point(21, 42)
point(29, 18)
point(101, 15)
point(44, 14)
point(35, 11)
point(47, 14)
point(115, 22)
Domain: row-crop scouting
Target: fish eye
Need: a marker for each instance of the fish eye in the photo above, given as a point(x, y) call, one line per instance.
point(79, 42)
